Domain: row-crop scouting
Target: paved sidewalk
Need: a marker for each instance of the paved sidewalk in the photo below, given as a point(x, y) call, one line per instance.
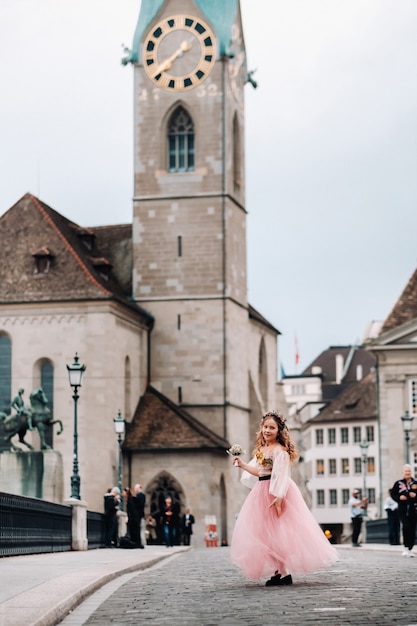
point(40, 589)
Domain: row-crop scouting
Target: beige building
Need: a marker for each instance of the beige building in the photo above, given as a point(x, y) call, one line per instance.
point(157, 309)
point(395, 349)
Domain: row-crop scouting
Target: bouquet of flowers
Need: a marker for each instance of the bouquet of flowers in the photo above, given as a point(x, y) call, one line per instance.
point(235, 450)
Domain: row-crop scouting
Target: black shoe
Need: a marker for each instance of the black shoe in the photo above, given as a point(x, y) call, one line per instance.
point(273, 581)
point(287, 580)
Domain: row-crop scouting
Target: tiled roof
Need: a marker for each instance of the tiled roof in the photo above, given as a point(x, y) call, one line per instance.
point(31, 226)
point(159, 424)
point(353, 355)
point(357, 402)
point(405, 309)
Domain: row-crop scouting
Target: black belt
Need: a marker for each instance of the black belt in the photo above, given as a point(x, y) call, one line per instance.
point(268, 477)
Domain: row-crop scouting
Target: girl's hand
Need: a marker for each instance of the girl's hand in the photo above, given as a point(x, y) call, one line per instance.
point(277, 502)
point(237, 461)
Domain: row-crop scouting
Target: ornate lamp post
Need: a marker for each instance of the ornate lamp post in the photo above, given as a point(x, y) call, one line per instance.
point(119, 427)
point(364, 449)
point(75, 374)
point(407, 421)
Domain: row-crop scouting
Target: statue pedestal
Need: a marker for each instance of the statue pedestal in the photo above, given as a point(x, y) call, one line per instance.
point(33, 474)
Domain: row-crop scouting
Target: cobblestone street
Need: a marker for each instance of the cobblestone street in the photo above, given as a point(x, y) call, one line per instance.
point(202, 588)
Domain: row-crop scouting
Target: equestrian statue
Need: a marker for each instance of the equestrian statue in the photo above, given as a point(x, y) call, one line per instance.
point(37, 415)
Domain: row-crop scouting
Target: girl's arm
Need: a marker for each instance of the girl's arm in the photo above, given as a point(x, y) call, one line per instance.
point(250, 467)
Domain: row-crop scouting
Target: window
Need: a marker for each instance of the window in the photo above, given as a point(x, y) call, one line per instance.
point(332, 435)
point(5, 373)
point(179, 247)
point(369, 433)
point(180, 142)
point(413, 397)
point(370, 465)
point(320, 467)
point(345, 466)
point(345, 496)
point(332, 466)
point(320, 497)
point(319, 437)
point(237, 151)
point(371, 495)
point(344, 434)
point(42, 260)
point(357, 465)
point(47, 384)
point(357, 434)
point(297, 390)
point(333, 496)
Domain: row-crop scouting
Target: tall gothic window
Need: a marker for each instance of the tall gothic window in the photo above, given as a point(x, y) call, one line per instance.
point(47, 384)
point(237, 165)
point(180, 142)
point(5, 373)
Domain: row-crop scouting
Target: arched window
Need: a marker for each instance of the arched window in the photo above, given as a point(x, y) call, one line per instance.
point(263, 372)
point(5, 373)
point(47, 384)
point(127, 388)
point(180, 142)
point(237, 163)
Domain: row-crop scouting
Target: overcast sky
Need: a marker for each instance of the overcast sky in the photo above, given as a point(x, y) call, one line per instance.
point(331, 146)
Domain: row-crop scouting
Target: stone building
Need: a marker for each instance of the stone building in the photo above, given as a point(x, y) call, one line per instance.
point(156, 309)
point(395, 349)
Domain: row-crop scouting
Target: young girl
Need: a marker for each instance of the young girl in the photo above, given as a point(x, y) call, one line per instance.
point(275, 533)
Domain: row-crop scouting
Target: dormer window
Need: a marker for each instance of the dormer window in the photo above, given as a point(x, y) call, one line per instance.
point(102, 266)
point(87, 236)
point(42, 260)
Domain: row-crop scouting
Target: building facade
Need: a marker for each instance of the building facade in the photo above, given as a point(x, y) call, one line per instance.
point(156, 309)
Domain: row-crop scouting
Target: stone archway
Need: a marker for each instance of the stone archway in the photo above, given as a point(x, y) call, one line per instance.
point(161, 486)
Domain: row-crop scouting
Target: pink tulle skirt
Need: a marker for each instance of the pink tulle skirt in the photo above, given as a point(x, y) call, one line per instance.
point(293, 542)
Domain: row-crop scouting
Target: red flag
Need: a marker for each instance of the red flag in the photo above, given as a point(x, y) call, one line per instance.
point(297, 355)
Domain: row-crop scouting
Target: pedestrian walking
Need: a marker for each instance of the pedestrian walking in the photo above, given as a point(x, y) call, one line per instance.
point(404, 491)
point(356, 506)
point(275, 533)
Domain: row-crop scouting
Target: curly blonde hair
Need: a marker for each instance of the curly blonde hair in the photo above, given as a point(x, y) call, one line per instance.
point(283, 436)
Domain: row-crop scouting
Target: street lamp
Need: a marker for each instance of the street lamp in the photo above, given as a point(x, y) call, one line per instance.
point(407, 421)
point(119, 427)
point(75, 374)
point(364, 449)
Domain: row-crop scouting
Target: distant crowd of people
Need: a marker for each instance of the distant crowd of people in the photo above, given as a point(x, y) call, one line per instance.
point(167, 526)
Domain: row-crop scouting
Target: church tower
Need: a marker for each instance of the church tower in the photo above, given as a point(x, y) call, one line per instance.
point(189, 217)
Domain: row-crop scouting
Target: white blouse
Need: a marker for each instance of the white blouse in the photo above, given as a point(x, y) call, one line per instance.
point(280, 473)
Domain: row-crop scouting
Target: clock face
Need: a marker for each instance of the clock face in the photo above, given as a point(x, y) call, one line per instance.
point(179, 52)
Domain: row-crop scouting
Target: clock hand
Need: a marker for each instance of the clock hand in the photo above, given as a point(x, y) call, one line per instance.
point(167, 64)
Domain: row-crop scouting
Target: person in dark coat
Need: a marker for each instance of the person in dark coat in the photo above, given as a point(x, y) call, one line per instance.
point(111, 506)
point(140, 501)
point(404, 491)
point(132, 516)
point(187, 522)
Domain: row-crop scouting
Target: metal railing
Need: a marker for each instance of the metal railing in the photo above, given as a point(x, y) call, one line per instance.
point(95, 530)
point(33, 526)
point(30, 526)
